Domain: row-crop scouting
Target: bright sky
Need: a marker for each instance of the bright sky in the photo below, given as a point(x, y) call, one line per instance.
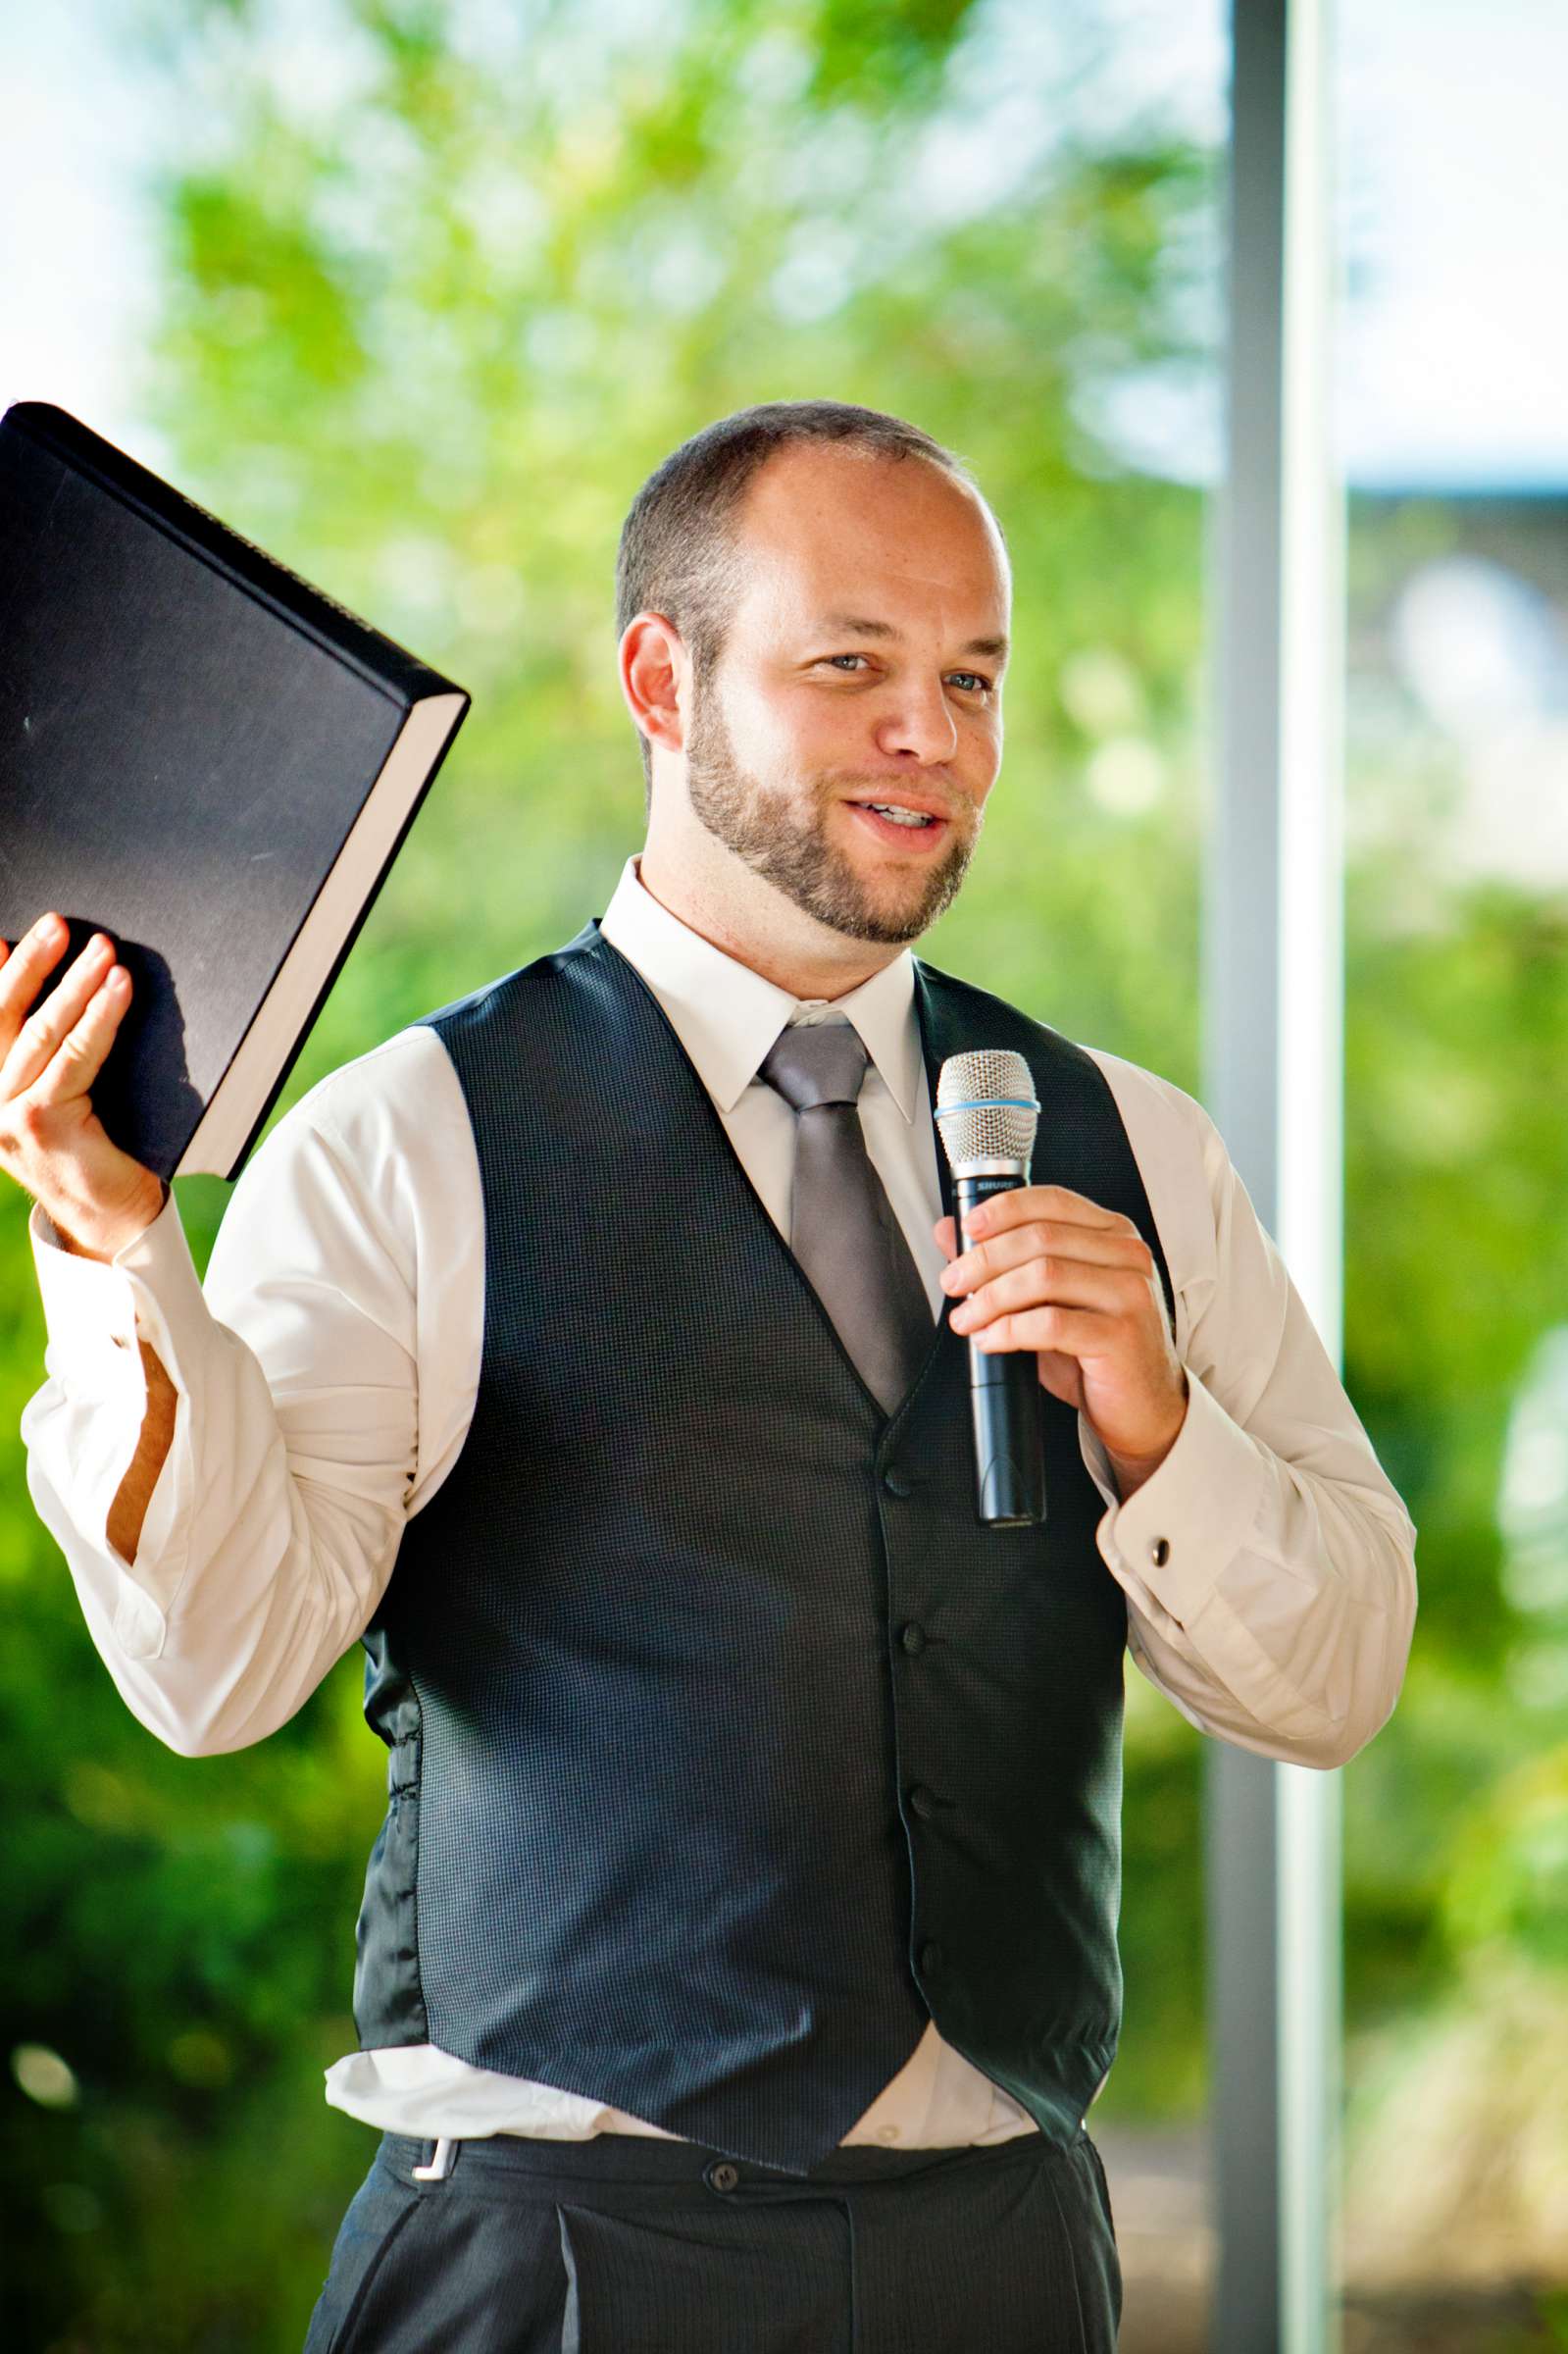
point(1455, 189)
point(75, 259)
point(1454, 341)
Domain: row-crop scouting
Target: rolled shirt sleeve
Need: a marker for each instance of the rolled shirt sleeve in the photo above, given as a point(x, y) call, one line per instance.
point(1269, 1566)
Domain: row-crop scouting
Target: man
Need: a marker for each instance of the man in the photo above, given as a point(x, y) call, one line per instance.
point(737, 1956)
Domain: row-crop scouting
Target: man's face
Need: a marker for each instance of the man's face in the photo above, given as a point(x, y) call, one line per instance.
point(863, 664)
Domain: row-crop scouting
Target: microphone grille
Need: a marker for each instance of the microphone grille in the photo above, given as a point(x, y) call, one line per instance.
point(987, 1107)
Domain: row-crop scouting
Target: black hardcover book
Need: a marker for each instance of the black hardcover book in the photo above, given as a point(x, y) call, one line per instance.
point(206, 758)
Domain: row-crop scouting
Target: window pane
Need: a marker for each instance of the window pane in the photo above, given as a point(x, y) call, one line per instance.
point(1455, 201)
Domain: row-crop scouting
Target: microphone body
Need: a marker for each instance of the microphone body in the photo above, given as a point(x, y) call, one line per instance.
point(987, 1112)
point(1003, 1390)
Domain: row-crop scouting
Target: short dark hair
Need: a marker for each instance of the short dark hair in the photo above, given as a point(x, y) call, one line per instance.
point(679, 552)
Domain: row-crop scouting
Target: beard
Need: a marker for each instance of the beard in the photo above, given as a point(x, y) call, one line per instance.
point(788, 845)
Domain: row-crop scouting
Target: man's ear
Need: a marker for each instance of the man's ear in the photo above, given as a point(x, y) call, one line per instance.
point(656, 679)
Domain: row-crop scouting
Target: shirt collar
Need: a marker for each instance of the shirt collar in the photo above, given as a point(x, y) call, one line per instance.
point(727, 1016)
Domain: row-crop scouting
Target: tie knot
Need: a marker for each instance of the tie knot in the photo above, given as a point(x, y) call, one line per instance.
point(816, 1062)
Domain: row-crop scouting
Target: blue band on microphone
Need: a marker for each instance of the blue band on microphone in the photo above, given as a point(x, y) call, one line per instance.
point(993, 1104)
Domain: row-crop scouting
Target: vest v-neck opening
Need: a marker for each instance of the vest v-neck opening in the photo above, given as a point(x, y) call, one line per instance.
point(591, 940)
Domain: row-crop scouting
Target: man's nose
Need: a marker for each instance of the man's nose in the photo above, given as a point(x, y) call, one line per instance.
point(920, 723)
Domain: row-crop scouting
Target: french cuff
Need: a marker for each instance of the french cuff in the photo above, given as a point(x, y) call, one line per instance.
point(89, 1311)
point(1178, 1533)
point(95, 1313)
point(90, 1304)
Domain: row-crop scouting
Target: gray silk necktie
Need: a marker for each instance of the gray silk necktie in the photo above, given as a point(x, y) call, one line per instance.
point(842, 1227)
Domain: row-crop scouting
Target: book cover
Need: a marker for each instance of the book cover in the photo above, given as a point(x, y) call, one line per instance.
point(206, 758)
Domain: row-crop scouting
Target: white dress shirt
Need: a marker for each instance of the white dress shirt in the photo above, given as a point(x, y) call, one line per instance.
point(326, 1376)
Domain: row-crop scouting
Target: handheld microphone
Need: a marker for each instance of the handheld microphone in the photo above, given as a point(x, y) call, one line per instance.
point(986, 1116)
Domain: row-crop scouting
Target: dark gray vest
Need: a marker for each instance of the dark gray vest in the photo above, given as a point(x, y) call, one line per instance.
point(727, 1745)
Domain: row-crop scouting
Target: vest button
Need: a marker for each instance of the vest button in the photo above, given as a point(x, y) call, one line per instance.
point(923, 1802)
point(913, 1639)
point(897, 1482)
point(930, 1959)
point(1159, 1553)
point(722, 2177)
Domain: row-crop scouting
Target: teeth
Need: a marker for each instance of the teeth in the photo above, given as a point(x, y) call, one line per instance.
point(900, 817)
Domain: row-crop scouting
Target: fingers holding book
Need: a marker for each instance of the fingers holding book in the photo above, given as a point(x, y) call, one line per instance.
point(51, 1139)
point(28, 1045)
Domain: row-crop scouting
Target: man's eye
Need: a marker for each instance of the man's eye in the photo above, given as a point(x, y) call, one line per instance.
point(975, 679)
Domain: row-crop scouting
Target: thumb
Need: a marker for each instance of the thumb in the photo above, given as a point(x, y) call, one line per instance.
point(946, 1238)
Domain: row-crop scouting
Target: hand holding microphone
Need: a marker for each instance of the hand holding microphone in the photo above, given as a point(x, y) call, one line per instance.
point(1050, 1275)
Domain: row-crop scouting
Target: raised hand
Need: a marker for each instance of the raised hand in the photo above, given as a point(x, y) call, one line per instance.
point(51, 1139)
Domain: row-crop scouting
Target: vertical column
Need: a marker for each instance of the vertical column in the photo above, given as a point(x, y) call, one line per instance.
point(1274, 1026)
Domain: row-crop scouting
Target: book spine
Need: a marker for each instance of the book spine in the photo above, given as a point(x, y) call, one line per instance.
point(328, 982)
point(378, 659)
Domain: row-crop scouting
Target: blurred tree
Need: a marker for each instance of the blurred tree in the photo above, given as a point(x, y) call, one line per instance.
point(1456, 1259)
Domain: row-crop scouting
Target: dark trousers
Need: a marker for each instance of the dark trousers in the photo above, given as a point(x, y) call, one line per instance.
point(620, 2245)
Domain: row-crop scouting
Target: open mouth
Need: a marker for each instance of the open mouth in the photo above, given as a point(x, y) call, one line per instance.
point(892, 822)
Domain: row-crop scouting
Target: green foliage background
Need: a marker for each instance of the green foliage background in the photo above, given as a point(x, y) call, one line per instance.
point(437, 291)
